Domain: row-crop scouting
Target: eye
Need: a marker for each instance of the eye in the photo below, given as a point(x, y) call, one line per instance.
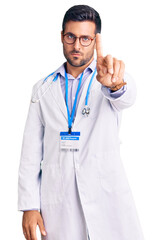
point(70, 36)
point(85, 38)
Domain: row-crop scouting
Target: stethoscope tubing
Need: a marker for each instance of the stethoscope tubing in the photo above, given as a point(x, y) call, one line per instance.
point(36, 100)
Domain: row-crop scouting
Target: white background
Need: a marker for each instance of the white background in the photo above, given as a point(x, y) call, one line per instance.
point(30, 49)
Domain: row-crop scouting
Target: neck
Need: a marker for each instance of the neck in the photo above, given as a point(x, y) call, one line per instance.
point(75, 71)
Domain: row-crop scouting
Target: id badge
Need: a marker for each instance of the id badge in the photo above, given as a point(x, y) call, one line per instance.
point(69, 142)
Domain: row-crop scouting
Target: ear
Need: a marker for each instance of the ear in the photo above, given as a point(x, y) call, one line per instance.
point(95, 44)
point(62, 36)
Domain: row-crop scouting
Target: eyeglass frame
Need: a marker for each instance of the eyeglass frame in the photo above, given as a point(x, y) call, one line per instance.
point(79, 39)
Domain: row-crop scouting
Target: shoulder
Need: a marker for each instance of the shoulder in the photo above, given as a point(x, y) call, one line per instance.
point(40, 82)
point(37, 84)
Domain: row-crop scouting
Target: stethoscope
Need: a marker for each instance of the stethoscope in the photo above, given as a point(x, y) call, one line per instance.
point(86, 109)
point(36, 100)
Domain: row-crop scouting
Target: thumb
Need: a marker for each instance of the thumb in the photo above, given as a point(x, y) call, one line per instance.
point(41, 227)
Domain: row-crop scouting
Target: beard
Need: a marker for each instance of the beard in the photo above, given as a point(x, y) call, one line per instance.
point(73, 61)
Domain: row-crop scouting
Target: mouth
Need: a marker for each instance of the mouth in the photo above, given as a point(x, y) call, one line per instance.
point(76, 54)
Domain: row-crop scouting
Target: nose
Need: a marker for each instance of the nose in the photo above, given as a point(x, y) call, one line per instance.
point(77, 44)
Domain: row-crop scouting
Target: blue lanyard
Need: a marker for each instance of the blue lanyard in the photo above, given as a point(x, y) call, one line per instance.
point(70, 118)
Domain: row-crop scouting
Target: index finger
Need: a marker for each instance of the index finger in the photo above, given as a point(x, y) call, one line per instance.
point(99, 45)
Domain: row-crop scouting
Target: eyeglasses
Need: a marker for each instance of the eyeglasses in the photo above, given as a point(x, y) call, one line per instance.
point(85, 41)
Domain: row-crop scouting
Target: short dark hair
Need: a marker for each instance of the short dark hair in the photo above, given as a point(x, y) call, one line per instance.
point(79, 13)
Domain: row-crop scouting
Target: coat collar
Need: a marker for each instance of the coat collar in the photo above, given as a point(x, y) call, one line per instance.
point(61, 70)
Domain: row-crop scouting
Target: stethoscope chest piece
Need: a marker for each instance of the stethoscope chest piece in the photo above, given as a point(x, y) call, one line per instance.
point(86, 111)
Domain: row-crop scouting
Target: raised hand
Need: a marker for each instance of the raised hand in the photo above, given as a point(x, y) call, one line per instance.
point(110, 71)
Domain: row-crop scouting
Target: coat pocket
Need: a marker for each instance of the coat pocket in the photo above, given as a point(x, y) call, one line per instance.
point(52, 191)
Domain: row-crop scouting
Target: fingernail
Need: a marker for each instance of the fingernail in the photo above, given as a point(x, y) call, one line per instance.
point(43, 232)
point(111, 70)
point(104, 71)
point(114, 79)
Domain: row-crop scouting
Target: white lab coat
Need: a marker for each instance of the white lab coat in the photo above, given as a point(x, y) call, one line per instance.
point(94, 176)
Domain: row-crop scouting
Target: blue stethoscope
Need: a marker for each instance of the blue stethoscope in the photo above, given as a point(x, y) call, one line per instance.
point(86, 109)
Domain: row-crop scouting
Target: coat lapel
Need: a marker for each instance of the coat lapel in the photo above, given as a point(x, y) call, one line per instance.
point(57, 94)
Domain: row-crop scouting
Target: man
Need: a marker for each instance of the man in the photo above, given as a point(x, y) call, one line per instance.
point(72, 183)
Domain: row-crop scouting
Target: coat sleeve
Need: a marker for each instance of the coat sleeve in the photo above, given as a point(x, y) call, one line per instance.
point(124, 99)
point(30, 161)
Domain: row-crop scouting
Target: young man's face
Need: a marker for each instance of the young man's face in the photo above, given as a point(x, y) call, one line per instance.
point(76, 54)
